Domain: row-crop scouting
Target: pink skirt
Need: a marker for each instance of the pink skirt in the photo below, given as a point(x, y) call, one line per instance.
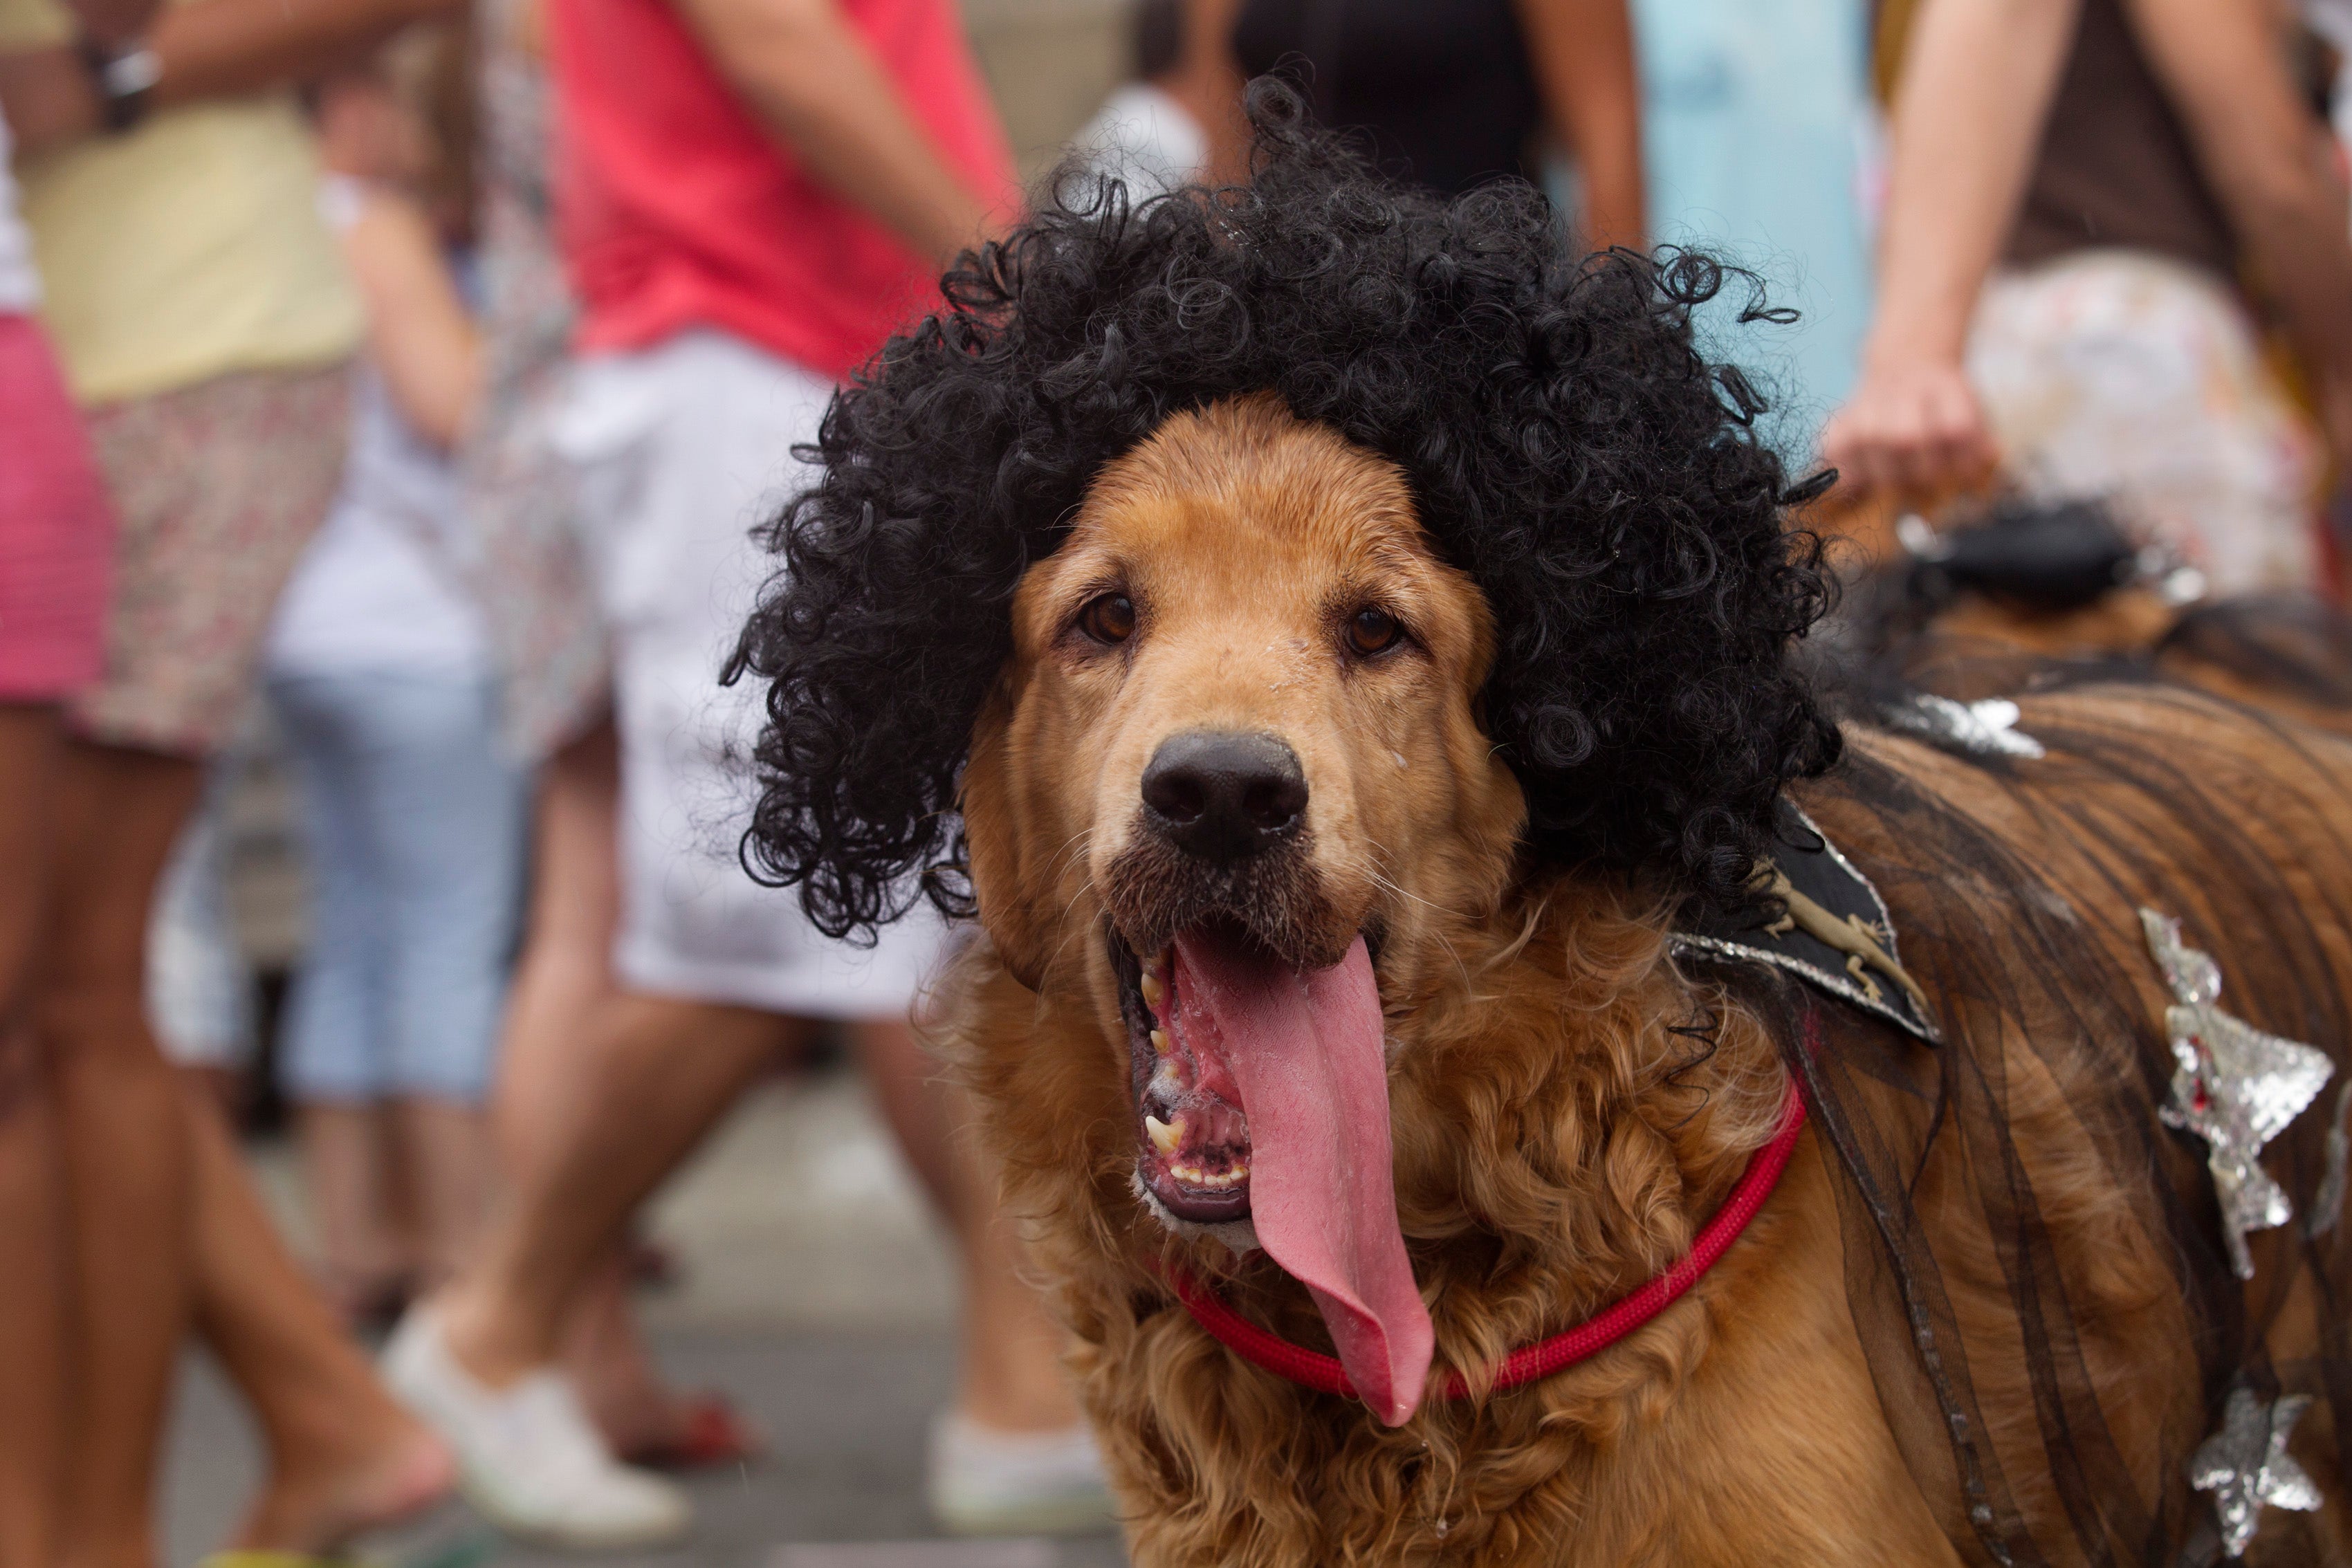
point(56, 527)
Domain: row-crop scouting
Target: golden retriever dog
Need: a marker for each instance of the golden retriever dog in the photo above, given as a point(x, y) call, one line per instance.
point(1356, 641)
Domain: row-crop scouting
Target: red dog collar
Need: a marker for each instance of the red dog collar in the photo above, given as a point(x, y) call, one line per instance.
point(1323, 1373)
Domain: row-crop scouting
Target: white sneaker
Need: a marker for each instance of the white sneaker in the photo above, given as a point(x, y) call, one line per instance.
point(987, 1482)
point(529, 1457)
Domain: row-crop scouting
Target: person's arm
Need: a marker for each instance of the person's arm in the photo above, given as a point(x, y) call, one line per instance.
point(420, 336)
point(46, 87)
point(806, 75)
point(1207, 82)
point(1978, 78)
point(211, 48)
point(114, 22)
point(1582, 51)
point(2268, 160)
point(45, 97)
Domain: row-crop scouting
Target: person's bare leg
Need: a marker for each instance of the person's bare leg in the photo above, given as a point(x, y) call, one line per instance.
point(602, 1349)
point(561, 987)
point(347, 1172)
point(655, 1073)
point(125, 1140)
point(1012, 1377)
point(444, 1150)
point(166, 1222)
point(915, 1098)
point(32, 1308)
point(33, 1216)
point(223, 1086)
point(343, 1454)
point(565, 977)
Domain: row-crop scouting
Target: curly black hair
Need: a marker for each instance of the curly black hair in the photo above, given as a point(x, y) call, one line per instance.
point(1567, 442)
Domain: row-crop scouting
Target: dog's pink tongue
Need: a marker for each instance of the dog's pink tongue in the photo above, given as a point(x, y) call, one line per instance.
point(1305, 1053)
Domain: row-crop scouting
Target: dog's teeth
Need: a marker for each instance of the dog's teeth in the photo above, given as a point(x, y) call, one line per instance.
point(1154, 993)
point(1160, 1041)
point(1165, 1135)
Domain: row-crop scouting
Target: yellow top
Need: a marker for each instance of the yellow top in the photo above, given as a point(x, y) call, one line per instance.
point(185, 249)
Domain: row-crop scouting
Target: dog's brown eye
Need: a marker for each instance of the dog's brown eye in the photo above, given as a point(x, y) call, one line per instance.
point(1372, 632)
point(1109, 618)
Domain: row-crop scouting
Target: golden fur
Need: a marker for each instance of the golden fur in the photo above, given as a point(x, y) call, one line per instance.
point(1557, 1142)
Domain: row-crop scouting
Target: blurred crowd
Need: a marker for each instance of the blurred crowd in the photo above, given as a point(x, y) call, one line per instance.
point(401, 383)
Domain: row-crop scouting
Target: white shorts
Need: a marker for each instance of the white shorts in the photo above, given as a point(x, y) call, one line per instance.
point(681, 450)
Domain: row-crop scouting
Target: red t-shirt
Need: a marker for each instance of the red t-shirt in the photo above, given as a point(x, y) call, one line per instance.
point(676, 209)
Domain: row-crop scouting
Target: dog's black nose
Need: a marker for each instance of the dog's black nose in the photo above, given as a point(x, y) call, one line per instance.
point(1224, 797)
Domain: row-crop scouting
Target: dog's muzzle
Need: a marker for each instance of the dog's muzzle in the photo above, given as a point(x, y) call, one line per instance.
point(1222, 797)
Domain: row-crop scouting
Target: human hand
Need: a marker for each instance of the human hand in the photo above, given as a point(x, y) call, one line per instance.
point(365, 131)
point(47, 98)
point(1913, 427)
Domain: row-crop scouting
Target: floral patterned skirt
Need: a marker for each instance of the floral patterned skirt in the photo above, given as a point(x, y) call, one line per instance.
point(219, 486)
point(2140, 380)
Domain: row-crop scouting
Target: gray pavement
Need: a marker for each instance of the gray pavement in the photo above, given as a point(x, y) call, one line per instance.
point(815, 1292)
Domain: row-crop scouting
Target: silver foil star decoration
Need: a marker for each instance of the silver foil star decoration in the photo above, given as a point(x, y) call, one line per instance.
point(1987, 727)
point(2246, 1467)
point(2327, 1203)
point(2236, 1087)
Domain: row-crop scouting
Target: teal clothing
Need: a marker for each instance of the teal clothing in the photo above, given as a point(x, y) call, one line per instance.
point(1756, 114)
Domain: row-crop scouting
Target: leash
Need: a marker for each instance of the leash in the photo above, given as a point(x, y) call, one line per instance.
point(1312, 1369)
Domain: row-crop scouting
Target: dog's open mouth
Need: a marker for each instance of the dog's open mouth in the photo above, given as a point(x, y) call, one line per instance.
point(1194, 1138)
point(1261, 1094)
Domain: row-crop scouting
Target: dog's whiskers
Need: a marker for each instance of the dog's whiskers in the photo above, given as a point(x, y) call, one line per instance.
point(1069, 928)
point(1081, 840)
point(1380, 853)
point(1469, 983)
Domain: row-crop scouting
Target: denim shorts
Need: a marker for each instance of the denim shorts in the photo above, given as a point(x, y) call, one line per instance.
point(416, 821)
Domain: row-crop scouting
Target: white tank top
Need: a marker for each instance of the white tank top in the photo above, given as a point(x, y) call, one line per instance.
point(379, 588)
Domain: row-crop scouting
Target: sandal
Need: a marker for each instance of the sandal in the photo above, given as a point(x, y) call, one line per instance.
point(713, 1435)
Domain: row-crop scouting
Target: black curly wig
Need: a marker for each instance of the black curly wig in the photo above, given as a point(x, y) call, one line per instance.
point(1566, 441)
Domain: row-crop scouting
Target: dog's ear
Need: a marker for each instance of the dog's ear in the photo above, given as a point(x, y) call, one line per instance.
point(1014, 906)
